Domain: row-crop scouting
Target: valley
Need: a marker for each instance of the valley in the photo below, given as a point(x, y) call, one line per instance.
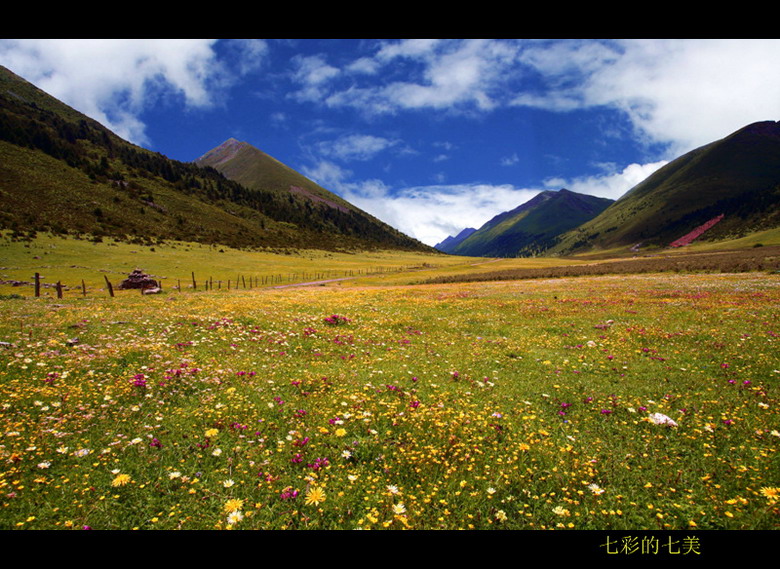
point(303, 365)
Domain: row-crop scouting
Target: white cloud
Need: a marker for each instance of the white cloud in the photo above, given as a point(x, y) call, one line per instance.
point(612, 184)
point(113, 80)
point(356, 147)
point(427, 213)
point(438, 74)
point(432, 213)
point(684, 93)
point(313, 74)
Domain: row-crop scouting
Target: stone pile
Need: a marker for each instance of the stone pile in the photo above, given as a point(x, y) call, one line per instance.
point(139, 279)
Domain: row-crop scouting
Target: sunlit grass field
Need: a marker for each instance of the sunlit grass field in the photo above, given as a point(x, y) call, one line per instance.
point(615, 402)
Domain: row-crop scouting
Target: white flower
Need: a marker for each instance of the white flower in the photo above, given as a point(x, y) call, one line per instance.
point(399, 508)
point(234, 517)
point(227, 483)
point(45, 464)
point(173, 475)
point(596, 489)
point(661, 419)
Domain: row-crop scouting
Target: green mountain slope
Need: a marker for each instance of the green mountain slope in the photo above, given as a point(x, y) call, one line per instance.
point(63, 172)
point(738, 177)
point(532, 227)
point(253, 168)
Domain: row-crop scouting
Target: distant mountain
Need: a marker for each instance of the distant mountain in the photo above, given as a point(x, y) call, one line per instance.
point(451, 242)
point(532, 227)
point(62, 172)
point(737, 177)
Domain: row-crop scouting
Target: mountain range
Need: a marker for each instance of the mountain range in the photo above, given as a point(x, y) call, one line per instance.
point(64, 173)
point(449, 244)
point(532, 227)
point(723, 190)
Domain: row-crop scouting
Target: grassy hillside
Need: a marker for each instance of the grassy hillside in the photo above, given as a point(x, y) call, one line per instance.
point(738, 176)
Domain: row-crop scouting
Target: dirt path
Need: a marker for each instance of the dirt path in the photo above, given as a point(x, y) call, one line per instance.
point(313, 283)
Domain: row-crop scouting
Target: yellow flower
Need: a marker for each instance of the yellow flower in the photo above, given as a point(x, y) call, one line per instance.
point(770, 493)
point(315, 496)
point(233, 505)
point(212, 433)
point(341, 432)
point(121, 480)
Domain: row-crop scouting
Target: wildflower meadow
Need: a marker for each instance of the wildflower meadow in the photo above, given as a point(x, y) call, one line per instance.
point(598, 402)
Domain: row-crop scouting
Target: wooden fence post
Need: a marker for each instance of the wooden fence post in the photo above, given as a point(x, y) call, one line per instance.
point(37, 285)
point(110, 287)
point(59, 289)
point(83, 288)
point(194, 284)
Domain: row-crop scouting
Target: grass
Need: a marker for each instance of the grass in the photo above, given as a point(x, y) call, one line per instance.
point(515, 405)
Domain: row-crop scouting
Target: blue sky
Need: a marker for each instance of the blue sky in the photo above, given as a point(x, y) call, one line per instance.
point(431, 136)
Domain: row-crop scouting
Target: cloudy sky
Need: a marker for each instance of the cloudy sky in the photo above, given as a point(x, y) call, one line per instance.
point(429, 135)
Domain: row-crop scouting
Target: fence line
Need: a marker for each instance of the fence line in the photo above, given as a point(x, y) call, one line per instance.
point(247, 282)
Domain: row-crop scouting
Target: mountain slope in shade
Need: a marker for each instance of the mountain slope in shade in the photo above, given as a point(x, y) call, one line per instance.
point(451, 242)
point(532, 227)
point(737, 177)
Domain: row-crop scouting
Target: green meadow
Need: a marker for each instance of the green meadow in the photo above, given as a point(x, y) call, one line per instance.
point(619, 402)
